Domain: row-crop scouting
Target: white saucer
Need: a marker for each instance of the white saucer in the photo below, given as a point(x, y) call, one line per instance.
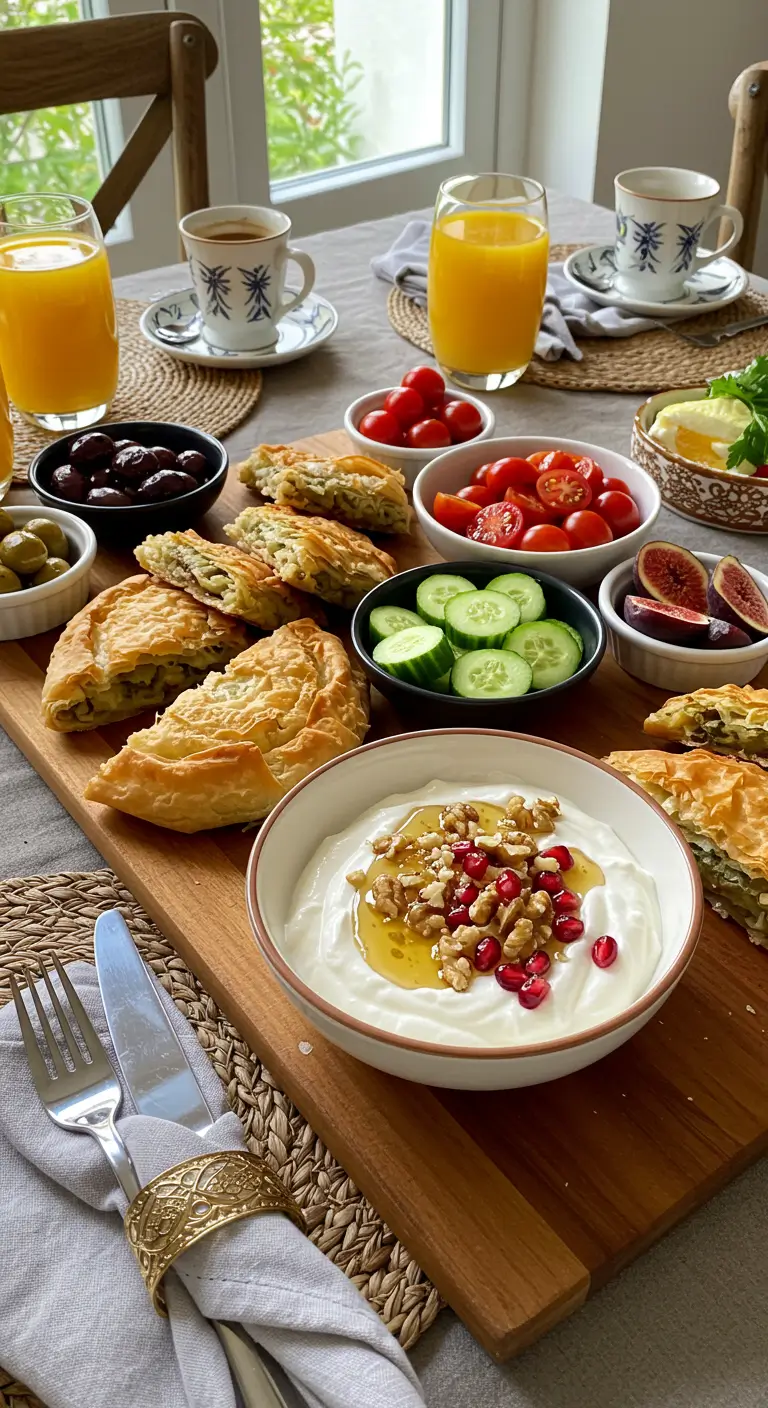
point(593, 271)
point(306, 327)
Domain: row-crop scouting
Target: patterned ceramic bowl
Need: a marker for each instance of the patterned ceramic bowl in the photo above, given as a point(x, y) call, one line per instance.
point(704, 495)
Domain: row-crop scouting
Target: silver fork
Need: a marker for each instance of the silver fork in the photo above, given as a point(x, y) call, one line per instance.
point(711, 339)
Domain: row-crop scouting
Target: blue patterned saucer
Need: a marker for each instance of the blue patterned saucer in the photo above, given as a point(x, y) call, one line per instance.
point(593, 271)
point(306, 327)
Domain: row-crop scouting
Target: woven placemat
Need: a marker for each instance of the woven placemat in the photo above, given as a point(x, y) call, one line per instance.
point(650, 361)
point(43, 913)
point(156, 386)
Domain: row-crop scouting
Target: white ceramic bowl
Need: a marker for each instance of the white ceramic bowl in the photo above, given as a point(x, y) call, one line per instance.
point(38, 609)
point(335, 795)
point(410, 462)
point(582, 566)
point(677, 668)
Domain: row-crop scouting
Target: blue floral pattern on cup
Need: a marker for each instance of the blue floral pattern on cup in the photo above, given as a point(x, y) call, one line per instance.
point(256, 282)
point(687, 244)
point(216, 281)
point(648, 238)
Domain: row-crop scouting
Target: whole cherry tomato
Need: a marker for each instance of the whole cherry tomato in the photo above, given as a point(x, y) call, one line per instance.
point(498, 524)
point(463, 420)
point(544, 537)
point(406, 405)
point(590, 470)
point(510, 473)
point(618, 484)
point(619, 511)
point(585, 529)
point(427, 435)
point(427, 382)
point(478, 494)
point(760, 473)
point(531, 507)
point(480, 475)
point(453, 512)
point(562, 488)
point(382, 426)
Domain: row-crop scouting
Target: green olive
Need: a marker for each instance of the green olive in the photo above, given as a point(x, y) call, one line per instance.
point(23, 552)
point(9, 582)
point(51, 534)
point(7, 524)
point(54, 567)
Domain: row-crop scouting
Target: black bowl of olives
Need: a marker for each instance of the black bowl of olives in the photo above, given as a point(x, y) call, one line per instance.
point(130, 478)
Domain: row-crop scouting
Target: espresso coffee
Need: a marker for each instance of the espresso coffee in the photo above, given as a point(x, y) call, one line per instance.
point(235, 234)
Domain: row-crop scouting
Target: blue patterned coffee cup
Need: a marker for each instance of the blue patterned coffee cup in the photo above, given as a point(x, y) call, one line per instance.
point(238, 255)
point(662, 213)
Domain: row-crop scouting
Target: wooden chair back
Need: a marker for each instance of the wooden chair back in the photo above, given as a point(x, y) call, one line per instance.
point(748, 104)
point(165, 56)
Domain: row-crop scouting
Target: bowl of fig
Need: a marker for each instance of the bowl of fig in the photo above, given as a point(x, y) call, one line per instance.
point(130, 478)
point(682, 620)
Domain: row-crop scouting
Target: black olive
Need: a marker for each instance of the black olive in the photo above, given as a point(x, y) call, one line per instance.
point(134, 463)
point(166, 459)
point(192, 462)
point(123, 444)
point(68, 483)
point(92, 451)
point(108, 498)
point(104, 479)
point(166, 484)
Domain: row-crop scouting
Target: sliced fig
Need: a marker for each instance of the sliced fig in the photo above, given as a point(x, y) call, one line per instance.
point(723, 636)
point(735, 597)
point(671, 574)
point(674, 624)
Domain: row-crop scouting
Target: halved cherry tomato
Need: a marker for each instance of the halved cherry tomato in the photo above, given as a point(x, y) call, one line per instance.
point(544, 537)
point(538, 456)
point(618, 484)
point(427, 435)
point(498, 524)
point(619, 511)
point(427, 382)
point(510, 473)
point(478, 494)
point(406, 405)
point(585, 529)
point(531, 507)
point(383, 427)
point(480, 475)
point(590, 470)
point(563, 489)
point(463, 420)
point(557, 459)
point(453, 512)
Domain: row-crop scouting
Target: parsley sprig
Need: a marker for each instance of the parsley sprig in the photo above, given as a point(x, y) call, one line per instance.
point(751, 387)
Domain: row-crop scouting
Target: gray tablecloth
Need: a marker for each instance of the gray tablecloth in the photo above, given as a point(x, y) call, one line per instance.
point(685, 1326)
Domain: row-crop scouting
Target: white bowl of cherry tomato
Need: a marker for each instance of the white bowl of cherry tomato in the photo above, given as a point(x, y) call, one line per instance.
point(406, 426)
point(568, 507)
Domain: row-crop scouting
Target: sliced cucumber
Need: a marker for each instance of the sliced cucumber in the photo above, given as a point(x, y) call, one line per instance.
point(443, 685)
point(490, 674)
point(572, 632)
point(549, 648)
point(420, 654)
point(433, 593)
point(388, 620)
point(524, 590)
point(480, 620)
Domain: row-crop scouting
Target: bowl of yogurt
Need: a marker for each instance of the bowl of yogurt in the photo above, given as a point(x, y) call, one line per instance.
point(473, 909)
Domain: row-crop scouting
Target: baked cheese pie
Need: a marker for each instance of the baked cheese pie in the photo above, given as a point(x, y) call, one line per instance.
point(355, 489)
point(732, 719)
point(721, 807)
point(135, 646)
point(228, 750)
point(313, 555)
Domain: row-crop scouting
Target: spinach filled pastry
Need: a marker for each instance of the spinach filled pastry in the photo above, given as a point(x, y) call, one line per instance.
point(732, 719)
point(135, 646)
point(224, 576)
point(313, 555)
point(355, 489)
point(228, 750)
point(721, 807)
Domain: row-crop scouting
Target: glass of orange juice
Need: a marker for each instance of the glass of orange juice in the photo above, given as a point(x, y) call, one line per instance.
point(6, 442)
point(58, 334)
point(487, 277)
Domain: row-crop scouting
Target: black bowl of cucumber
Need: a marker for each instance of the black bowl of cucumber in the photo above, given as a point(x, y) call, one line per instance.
point(461, 642)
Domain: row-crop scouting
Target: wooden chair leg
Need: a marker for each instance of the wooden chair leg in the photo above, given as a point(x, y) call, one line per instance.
point(190, 153)
point(748, 159)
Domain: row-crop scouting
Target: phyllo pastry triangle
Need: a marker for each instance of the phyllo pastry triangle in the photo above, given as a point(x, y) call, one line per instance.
point(355, 489)
point(721, 807)
point(227, 751)
point(732, 719)
point(313, 555)
point(135, 646)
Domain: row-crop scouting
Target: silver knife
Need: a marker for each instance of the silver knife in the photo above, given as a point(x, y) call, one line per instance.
point(162, 1083)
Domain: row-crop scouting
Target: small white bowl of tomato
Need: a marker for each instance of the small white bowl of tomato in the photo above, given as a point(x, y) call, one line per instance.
point(408, 425)
point(566, 506)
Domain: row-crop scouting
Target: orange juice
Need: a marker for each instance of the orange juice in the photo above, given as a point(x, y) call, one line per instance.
point(58, 336)
point(487, 278)
point(6, 441)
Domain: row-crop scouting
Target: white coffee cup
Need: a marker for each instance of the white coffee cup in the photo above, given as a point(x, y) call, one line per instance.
point(237, 258)
point(661, 215)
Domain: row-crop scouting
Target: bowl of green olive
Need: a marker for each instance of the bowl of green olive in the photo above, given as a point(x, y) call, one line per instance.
point(45, 562)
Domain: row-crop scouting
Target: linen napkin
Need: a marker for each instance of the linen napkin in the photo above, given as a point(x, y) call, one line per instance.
point(76, 1323)
point(567, 312)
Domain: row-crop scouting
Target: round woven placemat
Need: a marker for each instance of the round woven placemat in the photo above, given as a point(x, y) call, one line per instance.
point(650, 361)
point(155, 386)
point(43, 913)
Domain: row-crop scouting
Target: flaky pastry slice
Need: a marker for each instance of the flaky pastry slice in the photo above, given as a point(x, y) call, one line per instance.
point(732, 719)
point(228, 750)
point(134, 646)
point(313, 555)
point(355, 489)
point(721, 807)
point(224, 576)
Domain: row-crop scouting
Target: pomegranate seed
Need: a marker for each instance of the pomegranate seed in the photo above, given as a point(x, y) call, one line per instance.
point(476, 864)
point(467, 895)
point(549, 880)
point(604, 951)
point(458, 916)
point(533, 992)
point(487, 954)
point(461, 849)
point(565, 902)
point(561, 854)
point(566, 929)
point(538, 964)
point(510, 976)
point(508, 885)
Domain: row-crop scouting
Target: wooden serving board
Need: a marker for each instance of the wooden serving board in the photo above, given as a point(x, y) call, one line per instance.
point(516, 1204)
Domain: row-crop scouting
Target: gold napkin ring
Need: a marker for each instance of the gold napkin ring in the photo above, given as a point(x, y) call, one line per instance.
point(193, 1199)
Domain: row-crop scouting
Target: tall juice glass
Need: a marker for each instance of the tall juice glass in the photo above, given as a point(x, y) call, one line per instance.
point(58, 334)
point(487, 277)
point(6, 442)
